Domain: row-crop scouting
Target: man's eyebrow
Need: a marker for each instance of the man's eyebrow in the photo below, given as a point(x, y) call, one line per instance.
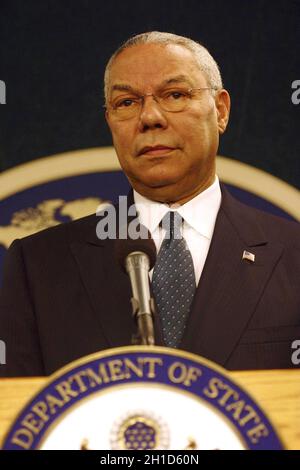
point(121, 87)
point(168, 81)
point(176, 79)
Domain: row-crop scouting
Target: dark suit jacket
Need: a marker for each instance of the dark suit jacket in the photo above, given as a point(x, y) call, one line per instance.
point(63, 295)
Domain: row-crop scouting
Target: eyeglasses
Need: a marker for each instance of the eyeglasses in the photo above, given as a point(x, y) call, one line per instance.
point(173, 101)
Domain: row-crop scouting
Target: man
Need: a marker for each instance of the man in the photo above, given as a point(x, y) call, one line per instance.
point(63, 296)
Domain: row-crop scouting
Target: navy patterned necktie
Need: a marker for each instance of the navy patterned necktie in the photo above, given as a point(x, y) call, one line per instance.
point(173, 281)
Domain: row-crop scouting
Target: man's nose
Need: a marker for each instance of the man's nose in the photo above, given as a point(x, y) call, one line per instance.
point(151, 115)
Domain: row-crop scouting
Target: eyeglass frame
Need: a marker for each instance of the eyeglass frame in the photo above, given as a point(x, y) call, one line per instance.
point(141, 98)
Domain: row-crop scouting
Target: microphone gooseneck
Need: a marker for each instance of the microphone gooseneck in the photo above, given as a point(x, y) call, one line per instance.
point(136, 258)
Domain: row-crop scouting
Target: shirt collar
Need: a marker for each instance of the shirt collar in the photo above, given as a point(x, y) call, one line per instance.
point(200, 213)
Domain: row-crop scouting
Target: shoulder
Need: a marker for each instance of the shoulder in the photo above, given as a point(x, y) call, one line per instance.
point(61, 234)
point(249, 221)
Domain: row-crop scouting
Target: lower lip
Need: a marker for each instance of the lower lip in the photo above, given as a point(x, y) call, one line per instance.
point(159, 152)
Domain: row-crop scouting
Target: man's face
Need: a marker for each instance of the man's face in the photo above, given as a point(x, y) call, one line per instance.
point(180, 160)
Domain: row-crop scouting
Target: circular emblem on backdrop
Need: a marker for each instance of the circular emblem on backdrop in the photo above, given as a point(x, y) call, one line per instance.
point(139, 430)
point(143, 398)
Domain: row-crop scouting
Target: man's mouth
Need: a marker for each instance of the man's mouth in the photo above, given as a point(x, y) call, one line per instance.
point(156, 150)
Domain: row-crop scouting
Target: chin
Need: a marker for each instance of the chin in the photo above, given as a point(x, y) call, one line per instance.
point(160, 178)
point(159, 183)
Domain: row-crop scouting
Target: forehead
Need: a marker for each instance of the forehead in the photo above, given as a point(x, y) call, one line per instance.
point(147, 65)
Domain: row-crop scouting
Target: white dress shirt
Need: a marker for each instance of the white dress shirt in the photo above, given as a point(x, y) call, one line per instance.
point(199, 216)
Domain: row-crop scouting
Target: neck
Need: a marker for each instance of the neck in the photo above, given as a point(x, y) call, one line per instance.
point(175, 200)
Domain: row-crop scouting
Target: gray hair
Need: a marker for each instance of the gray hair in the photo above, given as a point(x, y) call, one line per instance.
point(206, 62)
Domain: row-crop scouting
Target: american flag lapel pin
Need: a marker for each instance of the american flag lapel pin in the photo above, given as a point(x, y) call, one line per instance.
point(249, 256)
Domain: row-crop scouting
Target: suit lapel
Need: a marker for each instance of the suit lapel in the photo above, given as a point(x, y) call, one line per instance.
point(107, 287)
point(108, 290)
point(229, 288)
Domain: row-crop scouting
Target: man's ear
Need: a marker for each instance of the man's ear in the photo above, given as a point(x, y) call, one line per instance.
point(222, 101)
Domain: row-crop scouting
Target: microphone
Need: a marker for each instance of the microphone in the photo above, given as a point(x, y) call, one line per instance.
point(137, 258)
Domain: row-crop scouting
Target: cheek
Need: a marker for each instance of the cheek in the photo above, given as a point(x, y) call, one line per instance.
point(194, 134)
point(121, 143)
point(200, 128)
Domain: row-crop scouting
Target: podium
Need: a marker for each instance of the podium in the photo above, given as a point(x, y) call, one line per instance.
point(276, 391)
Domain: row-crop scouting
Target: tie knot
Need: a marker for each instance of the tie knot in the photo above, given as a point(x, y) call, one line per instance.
point(172, 223)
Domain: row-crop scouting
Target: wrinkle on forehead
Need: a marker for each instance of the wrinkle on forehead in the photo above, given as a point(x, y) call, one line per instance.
point(178, 79)
point(146, 66)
